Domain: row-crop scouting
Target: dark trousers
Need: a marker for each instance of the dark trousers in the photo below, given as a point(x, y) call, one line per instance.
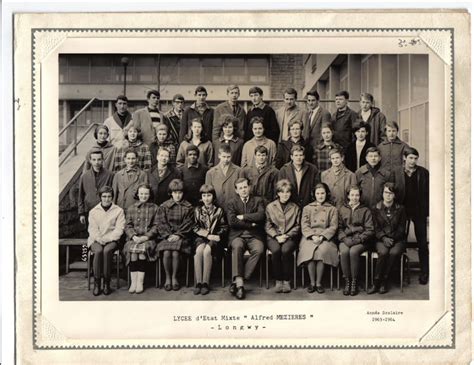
point(282, 257)
point(350, 259)
point(422, 241)
point(239, 246)
point(103, 259)
point(387, 257)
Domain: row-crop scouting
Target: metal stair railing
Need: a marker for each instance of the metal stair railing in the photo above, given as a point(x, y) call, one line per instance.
point(73, 122)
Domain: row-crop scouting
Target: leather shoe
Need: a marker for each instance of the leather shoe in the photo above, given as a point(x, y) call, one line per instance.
point(197, 289)
point(107, 289)
point(205, 289)
point(233, 289)
point(240, 294)
point(97, 290)
point(423, 279)
point(320, 289)
point(383, 288)
point(311, 288)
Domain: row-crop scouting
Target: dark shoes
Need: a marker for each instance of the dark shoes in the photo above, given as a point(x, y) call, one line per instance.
point(197, 289)
point(233, 289)
point(205, 289)
point(97, 290)
point(383, 287)
point(423, 279)
point(107, 289)
point(347, 286)
point(354, 287)
point(311, 288)
point(320, 289)
point(374, 288)
point(240, 294)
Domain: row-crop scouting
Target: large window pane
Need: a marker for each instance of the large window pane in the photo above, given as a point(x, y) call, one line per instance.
point(403, 80)
point(78, 69)
point(101, 69)
point(257, 69)
point(189, 71)
point(374, 81)
point(145, 69)
point(118, 69)
point(419, 126)
point(63, 69)
point(212, 70)
point(234, 70)
point(404, 124)
point(419, 77)
point(169, 70)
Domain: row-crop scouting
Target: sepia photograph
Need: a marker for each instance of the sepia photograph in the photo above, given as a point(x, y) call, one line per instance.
point(235, 186)
point(159, 155)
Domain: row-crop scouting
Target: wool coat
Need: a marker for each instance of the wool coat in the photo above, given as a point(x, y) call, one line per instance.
point(391, 153)
point(236, 144)
point(338, 184)
point(159, 186)
point(114, 124)
point(283, 154)
point(189, 114)
point(376, 121)
point(319, 220)
point(206, 153)
point(125, 188)
point(279, 221)
point(89, 185)
point(355, 226)
point(226, 108)
point(143, 155)
point(285, 117)
point(248, 151)
point(107, 225)
point(108, 152)
point(262, 183)
point(343, 124)
point(350, 159)
point(141, 119)
point(372, 185)
point(312, 128)
point(270, 123)
point(310, 177)
point(254, 218)
point(391, 225)
point(223, 184)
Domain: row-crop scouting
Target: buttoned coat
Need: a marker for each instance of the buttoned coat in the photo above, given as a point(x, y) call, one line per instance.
point(391, 153)
point(191, 113)
point(283, 155)
point(159, 186)
point(141, 119)
point(89, 185)
point(254, 217)
point(223, 184)
point(280, 222)
point(125, 189)
point(372, 186)
point(312, 129)
point(226, 108)
point(343, 125)
point(350, 159)
point(317, 220)
point(295, 114)
point(261, 183)
point(356, 224)
point(338, 184)
point(376, 121)
point(303, 195)
point(391, 227)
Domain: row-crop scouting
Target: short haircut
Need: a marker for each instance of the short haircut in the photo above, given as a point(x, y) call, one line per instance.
point(256, 120)
point(162, 127)
point(296, 148)
point(197, 120)
point(343, 93)
point(225, 148)
point(121, 97)
point(192, 147)
point(96, 152)
point(178, 97)
point(324, 186)
point(153, 92)
point(130, 150)
point(163, 149)
point(372, 149)
point(367, 96)
point(391, 187)
point(291, 91)
point(283, 184)
point(392, 124)
point(105, 189)
point(353, 187)
point(336, 150)
point(241, 180)
point(313, 93)
point(200, 89)
point(98, 128)
point(208, 188)
point(232, 87)
point(410, 151)
point(360, 125)
point(175, 185)
point(256, 90)
point(261, 149)
point(295, 121)
point(327, 125)
point(139, 133)
point(146, 186)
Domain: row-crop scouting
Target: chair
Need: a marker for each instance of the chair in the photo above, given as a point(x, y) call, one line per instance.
point(267, 257)
point(403, 258)
point(90, 253)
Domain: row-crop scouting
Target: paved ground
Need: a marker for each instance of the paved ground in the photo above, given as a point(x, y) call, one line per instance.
point(73, 286)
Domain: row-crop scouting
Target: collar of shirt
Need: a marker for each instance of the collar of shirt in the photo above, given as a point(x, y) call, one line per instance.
point(296, 169)
point(260, 167)
point(353, 207)
point(129, 170)
point(245, 200)
point(260, 106)
point(153, 110)
point(342, 110)
point(409, 172)
point(224, 139)
point(337, 170)
point(197, 106)
point(194, 166)
point(290, 108)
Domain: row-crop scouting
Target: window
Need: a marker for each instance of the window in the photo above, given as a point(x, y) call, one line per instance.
point(403, 80)
point(343, 77)
point(189, 71)
point(118, 69)
point(234, 70)
point(370, 80)
point(169, 69)
point(419, 78)
point(145, 69)
point(78, 68)
point(212, 70)
point(257, 70)
point(101, 69)
point(63, 70)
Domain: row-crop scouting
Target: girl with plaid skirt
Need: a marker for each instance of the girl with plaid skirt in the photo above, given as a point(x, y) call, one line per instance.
point(133, 140)
point(175, 224)
point(210, 230)
point(141, 230)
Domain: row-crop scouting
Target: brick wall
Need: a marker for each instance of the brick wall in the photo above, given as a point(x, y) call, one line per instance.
point(286, 70)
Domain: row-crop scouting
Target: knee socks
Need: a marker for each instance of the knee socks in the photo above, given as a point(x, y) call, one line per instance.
point(137, 265)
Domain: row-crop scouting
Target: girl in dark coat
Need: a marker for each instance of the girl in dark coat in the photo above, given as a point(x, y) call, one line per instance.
point(390, 224)
point(210, 229)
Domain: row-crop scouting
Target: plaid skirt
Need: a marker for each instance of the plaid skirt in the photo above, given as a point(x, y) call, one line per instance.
point(182, 245)
point(148, 248)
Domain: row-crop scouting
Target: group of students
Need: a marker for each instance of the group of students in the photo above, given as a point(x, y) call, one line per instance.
point(326, 187)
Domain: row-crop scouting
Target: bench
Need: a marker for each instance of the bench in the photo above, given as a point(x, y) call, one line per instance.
point(68, 242)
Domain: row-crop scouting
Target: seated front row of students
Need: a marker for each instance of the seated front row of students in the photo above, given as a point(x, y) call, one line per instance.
point(322, 235)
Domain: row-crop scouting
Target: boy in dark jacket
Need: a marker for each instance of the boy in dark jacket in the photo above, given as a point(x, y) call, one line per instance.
point(373, 117)
point(194, 175)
